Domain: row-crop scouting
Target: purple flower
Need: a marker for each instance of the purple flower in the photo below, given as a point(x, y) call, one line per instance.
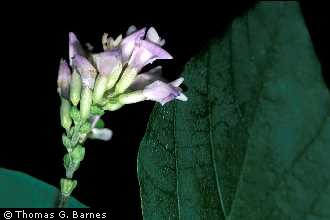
point(144, 79)
point(86, 70)
point(75, 47)
point(164, 92)
point(128, 43)
point(145, 53)
point(64, 79)
point(107, 61)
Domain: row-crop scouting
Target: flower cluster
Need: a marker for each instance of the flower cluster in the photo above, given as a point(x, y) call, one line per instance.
point(111, 79)
point(93, 83)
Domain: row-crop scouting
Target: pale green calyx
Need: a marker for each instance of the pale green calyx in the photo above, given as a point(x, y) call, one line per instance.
point(99, 88)
point(114, 76)
point(85, 103)
point(113, 105)
point(126, 80)
point(75, 88)
point(65, 114)
point(132, 97)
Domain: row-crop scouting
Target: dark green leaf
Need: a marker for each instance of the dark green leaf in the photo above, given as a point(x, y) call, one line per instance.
point(18, 190)
point(253, 140)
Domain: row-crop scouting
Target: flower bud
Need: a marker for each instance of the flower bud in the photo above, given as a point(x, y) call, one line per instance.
point(85, 103)
point(75, 88)
point(75, 47)
point(64, 78)
point(85, 128)
point(103, 134)
point(77, 154)
point(67, 186)
point(66, 142)
point(86, 70)
point(65, 114)
point(75, 114)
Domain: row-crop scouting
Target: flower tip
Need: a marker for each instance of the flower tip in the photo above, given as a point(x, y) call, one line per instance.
point(168, 56)
point(182, 97)
point(72, 37)
point(64, 69)
point(177, 82)
point(131, 29)
point(153, 37)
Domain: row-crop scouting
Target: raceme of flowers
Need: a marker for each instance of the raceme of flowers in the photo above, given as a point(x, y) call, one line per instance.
point(92, 83)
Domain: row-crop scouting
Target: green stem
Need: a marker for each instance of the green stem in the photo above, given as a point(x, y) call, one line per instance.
point(62, 200)
point(72, 167)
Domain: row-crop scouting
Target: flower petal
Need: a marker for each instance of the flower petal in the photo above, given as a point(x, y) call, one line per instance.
point(129, 42)
point(182, 97)
point(153, 37)
point(107, 61)
point(103, 134)
point(64, 79)
point(145, 53)
point(144, 79)
point(86, 70)
point(177, 82)
point(131, 29)
point(160, 92)
point(74, 47)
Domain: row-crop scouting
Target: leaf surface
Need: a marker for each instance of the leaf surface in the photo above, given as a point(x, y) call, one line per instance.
point(253, 140)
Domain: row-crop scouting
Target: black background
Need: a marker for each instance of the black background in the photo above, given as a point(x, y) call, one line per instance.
point(34, 38)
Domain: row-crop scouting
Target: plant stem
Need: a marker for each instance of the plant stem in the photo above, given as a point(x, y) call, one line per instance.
point(71, 169)
point(62, 200)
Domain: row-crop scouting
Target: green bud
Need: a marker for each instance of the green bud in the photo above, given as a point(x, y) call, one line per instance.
point(85, 103)
point(100, 124)
point(126, 80)
point(95, 110)
point(113, 77)
point(75, 88)
point(99, 88)
point(67, 186)
point(132, 97)
point(69, 164)
point(67, 160)
point(75, 114)
point(66, 141)
point(113, 105)
point(78, 154)
point(85, 128)
point(65, 114)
